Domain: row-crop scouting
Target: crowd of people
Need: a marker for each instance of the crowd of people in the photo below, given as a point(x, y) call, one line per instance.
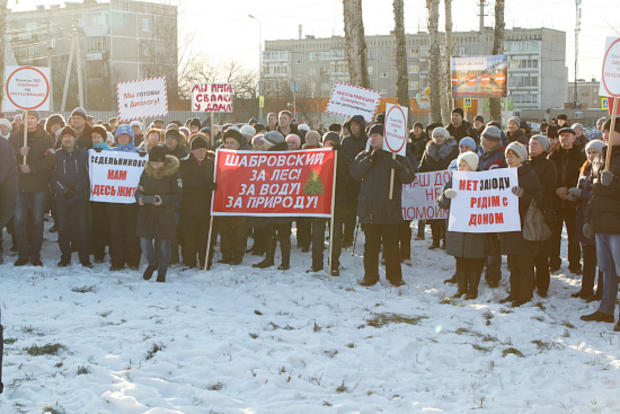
point(561, 171)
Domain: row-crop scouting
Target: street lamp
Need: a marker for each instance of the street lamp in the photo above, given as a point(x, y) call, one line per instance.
point(260, 67)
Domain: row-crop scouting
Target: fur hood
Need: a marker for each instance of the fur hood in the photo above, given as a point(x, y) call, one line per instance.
point(171, 166)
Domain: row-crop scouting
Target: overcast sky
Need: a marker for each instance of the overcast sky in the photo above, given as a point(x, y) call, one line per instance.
point(224, 31)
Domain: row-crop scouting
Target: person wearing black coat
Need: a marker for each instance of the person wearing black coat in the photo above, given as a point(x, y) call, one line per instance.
point(178, 150)
point(197, 173)
point(157, 195)
point(603, 221)
point(417, 145)
point(568, 160)
point(514, 133)
point(8, 185)
point(70, 181)
point(352, 145)
point(544, 168)
point(380, 216)
point(460, 127)
point(33, 187)
point(439, 152)
point(521, 252)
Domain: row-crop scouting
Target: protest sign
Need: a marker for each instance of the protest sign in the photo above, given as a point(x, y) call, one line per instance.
point(419, 199)
point(484, 202)
point(26, 88)
point(276, 184)
point(140, 99)
point(610, 84)
point(479, 76)
point(395, 132)
point(349, 100)
point(114, 175)
point(212, 97)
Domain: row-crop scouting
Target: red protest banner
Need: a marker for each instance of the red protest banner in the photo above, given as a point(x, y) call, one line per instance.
point(274, 184)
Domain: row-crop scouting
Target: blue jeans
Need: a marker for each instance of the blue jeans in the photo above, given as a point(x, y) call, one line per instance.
point(73, 229)
point(608, 256)
point(28, 223)
point(164, 250)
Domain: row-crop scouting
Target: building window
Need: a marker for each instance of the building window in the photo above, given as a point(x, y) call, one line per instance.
point(370, 70)
point(146, 25)
point(384, 75)
point(324, 71)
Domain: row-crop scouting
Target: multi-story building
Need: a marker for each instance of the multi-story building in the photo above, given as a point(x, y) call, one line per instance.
point(119, 40)
point(537, 73)
point(587, 94)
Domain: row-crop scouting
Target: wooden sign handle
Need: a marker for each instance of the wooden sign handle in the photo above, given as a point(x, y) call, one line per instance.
point(392, 179)
point(612, 128)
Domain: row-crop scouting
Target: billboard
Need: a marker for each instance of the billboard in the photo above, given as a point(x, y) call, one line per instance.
point(479, 76)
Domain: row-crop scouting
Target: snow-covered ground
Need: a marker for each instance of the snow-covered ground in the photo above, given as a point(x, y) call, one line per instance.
point(243, 340)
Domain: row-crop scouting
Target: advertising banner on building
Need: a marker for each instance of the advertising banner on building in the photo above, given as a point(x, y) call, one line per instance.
point(349, 100)
point(419, 199)
point(212, 97)
point(479, 76)
point(484, 202)
point(273, 184)
point(139, 99)
point(114, 175)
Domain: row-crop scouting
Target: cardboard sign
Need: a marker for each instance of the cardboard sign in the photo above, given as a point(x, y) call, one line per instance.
point(419, 199)
point(395, 132)
point(349, 100)
point(484, 202)
point(212, 97)
point(26, 88)
point(610, 78)
point(114, 175)
point(479, 76)
point(273, 183)
point(139, 99)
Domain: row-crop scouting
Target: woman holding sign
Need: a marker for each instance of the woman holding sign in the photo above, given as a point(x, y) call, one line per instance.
point(521, 252)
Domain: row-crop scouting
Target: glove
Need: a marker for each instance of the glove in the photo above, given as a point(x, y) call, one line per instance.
point(98, 149)
point(606, 177)
point(142, 153)
point(587, 230)
point(396, 164)
point(518, 191)
point(574, 194)
point(450, 193)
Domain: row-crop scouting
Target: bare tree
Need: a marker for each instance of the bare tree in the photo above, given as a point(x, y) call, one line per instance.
point(447, 96)
point(435, 67)
point(495, 104)
point(402, 81)
point(355, 42)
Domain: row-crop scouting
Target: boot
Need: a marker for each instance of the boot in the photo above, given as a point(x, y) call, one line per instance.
point(462, 285)
point(161, 275)
point(472, 285)
point(148, 273)
point(264, 264)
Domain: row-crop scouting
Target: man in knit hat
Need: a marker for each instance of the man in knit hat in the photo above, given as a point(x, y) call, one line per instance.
point(568, 159)
point(514, 133)
point(78, 121)
point(459, 127)
point(5, 128)
point(380, 215)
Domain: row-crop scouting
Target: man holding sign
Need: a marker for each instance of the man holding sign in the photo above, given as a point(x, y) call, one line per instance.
point(380, 216)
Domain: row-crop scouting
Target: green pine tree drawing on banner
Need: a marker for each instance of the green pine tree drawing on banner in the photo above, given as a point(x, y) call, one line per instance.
point(313, 185)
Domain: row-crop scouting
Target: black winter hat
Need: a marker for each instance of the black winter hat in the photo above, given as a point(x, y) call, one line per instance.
point(199, 142)
point(562, 116)
point(566, 129)
point(479, 118)
point(196, 123)
point(331, 136)
point(458, 111)
point(233, 133)
point(418, 124)
point(376, 129)
point(157, 154)
point(607, 125)
point(252, 121)
point(173, 133)
point(99, 129)
point(68, 131)
point(259, 127)
point(54, 119)
point(335, 127)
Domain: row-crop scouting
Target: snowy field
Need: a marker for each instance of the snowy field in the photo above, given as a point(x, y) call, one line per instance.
point(243, 340)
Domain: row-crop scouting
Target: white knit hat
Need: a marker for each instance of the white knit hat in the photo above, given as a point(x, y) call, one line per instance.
point(471, 158)
point(6, 123)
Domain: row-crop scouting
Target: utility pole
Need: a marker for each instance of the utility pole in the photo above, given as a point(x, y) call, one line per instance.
point(78, 62)
point(577, 30)
point(65, 88)
point(260, 68)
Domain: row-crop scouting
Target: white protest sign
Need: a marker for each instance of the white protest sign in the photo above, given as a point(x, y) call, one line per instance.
point(26, 88)
point(419, 199)
point(349, 100)
point(212, 97)
point(610, 78)
point(395, 129)
point(141, 99)
point(484, 201)
point(114, 175)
